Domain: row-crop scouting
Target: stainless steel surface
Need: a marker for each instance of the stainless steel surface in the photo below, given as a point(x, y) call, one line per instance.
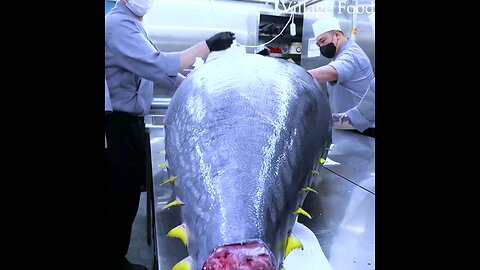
point(273, 3)
point(343, 11)
point(160, 103)
point(343, 212)
point(154, 120)
point(167, 251)
point(343, 220)
point(356, 155)
point(365, 36)
point(160, 106)
point(177, 25)
point(298, 5)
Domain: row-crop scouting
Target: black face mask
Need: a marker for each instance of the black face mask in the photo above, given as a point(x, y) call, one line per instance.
point(328, 50)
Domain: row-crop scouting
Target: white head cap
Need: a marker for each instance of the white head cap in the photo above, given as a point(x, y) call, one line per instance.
point(324, 25)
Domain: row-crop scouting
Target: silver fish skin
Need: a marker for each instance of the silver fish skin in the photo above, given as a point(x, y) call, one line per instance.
point(242, 136)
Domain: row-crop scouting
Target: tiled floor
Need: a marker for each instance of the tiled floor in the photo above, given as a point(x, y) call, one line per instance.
point(139, 251)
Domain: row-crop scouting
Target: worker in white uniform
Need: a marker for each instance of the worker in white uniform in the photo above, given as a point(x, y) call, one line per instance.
point(349, 73)
point(132, 64)
point(361, 116)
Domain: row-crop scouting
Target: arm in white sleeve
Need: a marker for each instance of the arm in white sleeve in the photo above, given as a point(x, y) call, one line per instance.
point(361, 116)
point(135, 53)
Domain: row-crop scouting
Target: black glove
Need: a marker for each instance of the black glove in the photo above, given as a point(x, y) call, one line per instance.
point(220, 41)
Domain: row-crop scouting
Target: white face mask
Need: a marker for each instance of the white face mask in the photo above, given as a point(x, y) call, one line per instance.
point(139, 7)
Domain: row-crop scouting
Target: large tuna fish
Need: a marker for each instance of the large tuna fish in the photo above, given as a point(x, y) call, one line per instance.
point(243, 135)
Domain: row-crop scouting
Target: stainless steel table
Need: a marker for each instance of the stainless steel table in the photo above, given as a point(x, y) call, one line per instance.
point(343, 212)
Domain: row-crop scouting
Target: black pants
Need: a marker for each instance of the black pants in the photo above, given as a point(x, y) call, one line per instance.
point(125, 173)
